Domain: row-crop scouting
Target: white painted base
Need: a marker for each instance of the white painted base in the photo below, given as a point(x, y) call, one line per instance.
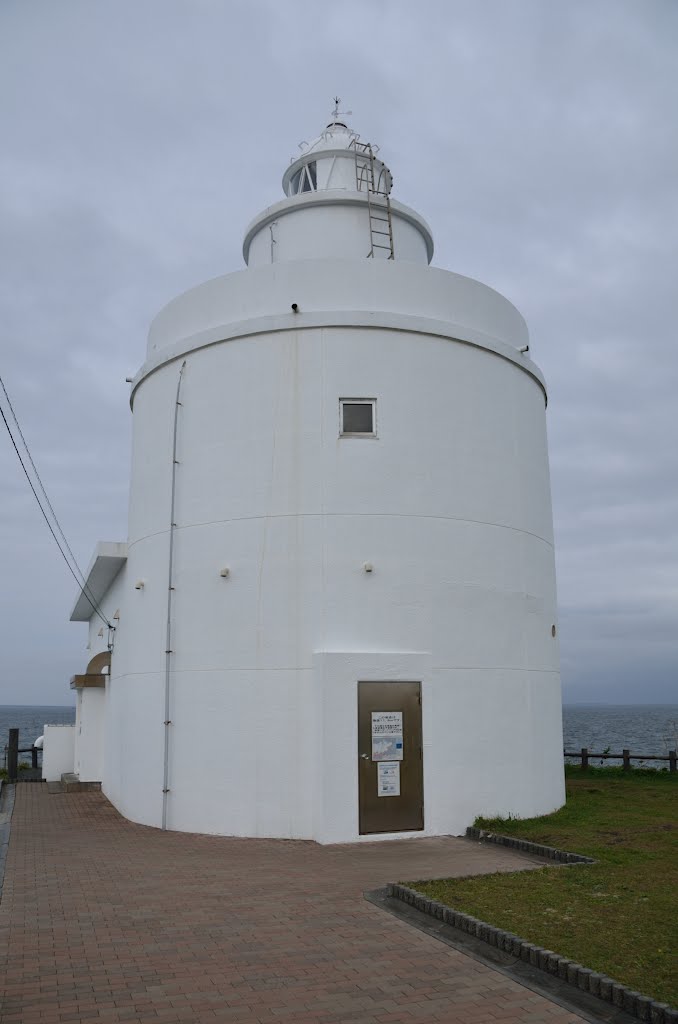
point(58, 751)
point(449, 504)
point(275, 754)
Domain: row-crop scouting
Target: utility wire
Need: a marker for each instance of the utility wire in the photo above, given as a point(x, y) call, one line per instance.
point(83, 582)
point(81, 585)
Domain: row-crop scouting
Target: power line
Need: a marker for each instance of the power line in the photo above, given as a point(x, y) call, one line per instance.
point(82, 584)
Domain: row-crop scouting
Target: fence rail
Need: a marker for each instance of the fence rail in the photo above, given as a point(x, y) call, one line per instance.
point(625, 757)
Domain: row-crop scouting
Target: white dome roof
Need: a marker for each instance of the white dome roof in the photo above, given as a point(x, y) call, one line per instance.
point(337, 135)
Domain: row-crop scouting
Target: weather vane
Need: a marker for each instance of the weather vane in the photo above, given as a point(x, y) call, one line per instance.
point(336, 113)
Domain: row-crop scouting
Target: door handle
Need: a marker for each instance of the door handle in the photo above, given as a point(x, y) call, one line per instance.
point(365, 757)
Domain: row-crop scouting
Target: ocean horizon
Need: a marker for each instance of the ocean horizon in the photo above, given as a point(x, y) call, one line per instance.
point(642, 728)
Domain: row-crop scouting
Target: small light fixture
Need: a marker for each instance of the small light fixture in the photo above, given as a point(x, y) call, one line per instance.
point(101, 632)
point(140, 584)
point(116, 617)
point(523, 349)
point(368, 567)
point(295, 307)
point(225, 572)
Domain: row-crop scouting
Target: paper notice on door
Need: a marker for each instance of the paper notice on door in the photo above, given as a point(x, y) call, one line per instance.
point(387, 735)
point(388, 778)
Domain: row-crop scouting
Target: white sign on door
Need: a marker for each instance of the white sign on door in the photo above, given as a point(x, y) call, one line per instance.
point(387, 735)
point(388, 778)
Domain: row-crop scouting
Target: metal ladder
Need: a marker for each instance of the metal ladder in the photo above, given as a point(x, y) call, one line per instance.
point(378, 188)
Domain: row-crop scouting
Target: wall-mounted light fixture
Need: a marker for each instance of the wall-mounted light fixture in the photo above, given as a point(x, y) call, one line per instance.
point(225, 572)
point(140, 584)
point(368, 567)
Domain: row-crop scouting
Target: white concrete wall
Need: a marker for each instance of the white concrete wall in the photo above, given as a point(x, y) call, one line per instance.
point(89, 734)
point(98, 728)
point(450, 503)
point(312, 227)
point(58, 751)
point(341, 289)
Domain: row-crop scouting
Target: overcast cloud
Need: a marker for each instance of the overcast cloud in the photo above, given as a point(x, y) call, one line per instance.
point(537, 137)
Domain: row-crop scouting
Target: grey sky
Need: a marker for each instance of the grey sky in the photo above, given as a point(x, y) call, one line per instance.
point(139, 137)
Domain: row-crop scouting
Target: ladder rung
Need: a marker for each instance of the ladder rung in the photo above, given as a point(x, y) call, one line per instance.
point(377, 246)
point(386, 234)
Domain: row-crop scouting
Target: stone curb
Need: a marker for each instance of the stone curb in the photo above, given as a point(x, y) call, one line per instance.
point(574, 974)
point(537, 849)
point(6, 808)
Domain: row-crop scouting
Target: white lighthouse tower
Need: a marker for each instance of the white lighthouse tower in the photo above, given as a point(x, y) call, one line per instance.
point(336, 605)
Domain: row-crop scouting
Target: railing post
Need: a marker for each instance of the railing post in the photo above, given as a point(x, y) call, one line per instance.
point(584, 758)
point(672, 760)
point(13, 755)
point(34, 757)
point(626, 755)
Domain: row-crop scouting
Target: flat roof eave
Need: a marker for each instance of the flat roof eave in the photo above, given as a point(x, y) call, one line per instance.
point(107, 561)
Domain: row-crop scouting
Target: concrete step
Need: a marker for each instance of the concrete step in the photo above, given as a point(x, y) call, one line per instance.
point(70, 783)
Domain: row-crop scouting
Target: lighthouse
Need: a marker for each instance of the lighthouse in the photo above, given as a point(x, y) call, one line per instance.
point(335, 610)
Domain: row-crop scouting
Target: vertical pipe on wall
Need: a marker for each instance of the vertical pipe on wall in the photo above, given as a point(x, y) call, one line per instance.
point(170, 591)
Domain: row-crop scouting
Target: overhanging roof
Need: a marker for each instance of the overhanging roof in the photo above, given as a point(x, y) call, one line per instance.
point(107, 561)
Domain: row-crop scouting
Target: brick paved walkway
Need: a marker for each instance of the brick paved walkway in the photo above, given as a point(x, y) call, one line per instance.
point(105, 921)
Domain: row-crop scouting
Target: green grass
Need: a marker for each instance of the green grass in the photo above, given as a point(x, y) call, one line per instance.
point(618, 916)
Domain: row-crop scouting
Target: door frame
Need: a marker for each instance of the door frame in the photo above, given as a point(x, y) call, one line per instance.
point(411, 767)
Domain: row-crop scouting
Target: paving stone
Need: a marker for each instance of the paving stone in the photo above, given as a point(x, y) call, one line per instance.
point(104, 920)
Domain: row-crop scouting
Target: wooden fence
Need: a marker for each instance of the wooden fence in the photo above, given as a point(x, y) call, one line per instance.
point(625, 757)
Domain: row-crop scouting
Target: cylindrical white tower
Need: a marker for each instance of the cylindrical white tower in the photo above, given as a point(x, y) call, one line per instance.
point(340, 575)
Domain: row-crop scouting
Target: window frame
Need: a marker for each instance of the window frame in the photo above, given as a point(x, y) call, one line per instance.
point(304, 180)
point(358, 433)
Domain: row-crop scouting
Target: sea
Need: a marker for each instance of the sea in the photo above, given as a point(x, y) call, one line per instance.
point(642, 728)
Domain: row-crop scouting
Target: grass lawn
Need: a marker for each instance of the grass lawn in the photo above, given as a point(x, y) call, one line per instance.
point(618, 916)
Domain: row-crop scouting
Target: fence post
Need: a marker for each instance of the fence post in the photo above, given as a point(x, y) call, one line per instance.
point(626, 755)
point(584, 757)
point(13, 755)
point(34, 757)
point(672, 760)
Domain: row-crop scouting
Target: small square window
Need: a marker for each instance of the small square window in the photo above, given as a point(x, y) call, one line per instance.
point(357, 417)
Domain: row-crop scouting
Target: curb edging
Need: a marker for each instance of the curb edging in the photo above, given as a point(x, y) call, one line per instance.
point(525, 846)
point(642, 1007)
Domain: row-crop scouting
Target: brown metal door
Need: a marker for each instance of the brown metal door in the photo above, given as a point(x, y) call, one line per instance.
point(390, 766)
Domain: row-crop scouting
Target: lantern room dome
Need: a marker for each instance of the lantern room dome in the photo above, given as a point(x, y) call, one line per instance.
point(336, 135)
point(328, 162)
